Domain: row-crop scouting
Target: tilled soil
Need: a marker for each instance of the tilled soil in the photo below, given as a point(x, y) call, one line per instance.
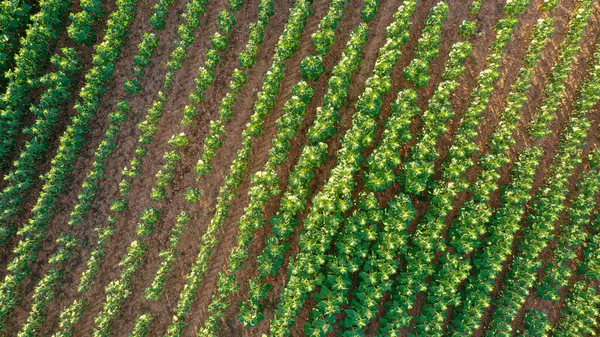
point(184, 175)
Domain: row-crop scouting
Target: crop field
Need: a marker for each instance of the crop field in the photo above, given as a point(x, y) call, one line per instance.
point(299, 168)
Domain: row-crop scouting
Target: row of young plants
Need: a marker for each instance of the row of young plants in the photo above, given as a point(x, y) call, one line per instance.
point(456, 270)
point(582, 307)
point(465, 232)
point(464, 144)
point(591, 265)
point(417, 72)
point(326, 118)
point(335, 198)
point(85, 199)
point(265, 185)
point(74, 312)
point(506, 312)
point(312, 66)
point(427, 238)
point(265, 182)
point(24, 176)
point(545, 211)
point(385, 238)
point(44, 291)
point(140, 329)
point(219, 41)
point(150, 215)
point(158, 20)
point(386, 156)
point(506, 222)
point(66, 242)
point(558, 77)
point(204, 79)
point(167, 256)
point(369, 10)
point(148, 128)
point(141, 60)
point(212, 140)
point(21, 178)
point(547, 206)
point(374, 280)
point(381, 262)
point(81, 29)
point(15, 16)
point(381, 172)
point(513, 201)
point(357, 231)
point(360, 230)
point(33, 232)
point(247, 58)
point(535, 324)
point(284, 49)
point(324, 37)
point(311, 158)
point(34, 52)
point(523, 271)
point(374, 248)
point(69, 317)
point(420, 164)
point(117, 291)
point(454, 68)
point(572, 235)
point(580, 314)
point(472, 216)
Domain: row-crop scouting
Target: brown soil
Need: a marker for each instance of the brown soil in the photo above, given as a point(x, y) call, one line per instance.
point(203, 212)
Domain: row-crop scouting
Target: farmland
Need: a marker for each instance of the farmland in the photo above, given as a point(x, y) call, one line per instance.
point(299, 168)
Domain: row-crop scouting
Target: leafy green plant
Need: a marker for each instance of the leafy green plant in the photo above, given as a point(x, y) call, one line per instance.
point(81, 29)
point(180, 140)
point(312, 67)
point(140, 329)
point(148, 218)
point(467, 28)
point(192, 195)
point(427, 47)
point(369, 9)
